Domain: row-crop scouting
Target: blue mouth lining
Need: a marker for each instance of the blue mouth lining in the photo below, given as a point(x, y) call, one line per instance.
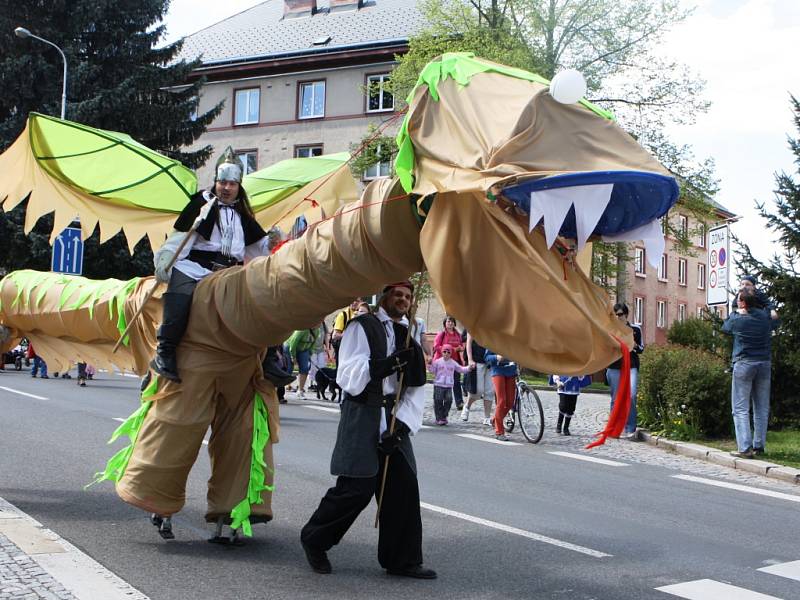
point(638, 197)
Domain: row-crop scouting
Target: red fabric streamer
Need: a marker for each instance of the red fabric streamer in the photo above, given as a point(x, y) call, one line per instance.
point(622, 403)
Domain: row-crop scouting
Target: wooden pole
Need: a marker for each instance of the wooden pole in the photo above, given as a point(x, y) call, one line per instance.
point(411, 316)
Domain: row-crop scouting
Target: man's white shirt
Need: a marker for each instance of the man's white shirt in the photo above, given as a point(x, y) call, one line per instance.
point(353, 373)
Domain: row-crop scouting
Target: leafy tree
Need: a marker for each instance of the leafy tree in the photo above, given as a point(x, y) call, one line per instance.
point(613, 43)
point(118, 79)
point(781, 279)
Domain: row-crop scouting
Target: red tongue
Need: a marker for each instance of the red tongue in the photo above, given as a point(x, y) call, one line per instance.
point(622, 402)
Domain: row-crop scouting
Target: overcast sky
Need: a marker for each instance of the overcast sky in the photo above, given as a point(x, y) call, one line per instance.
point(747, 52)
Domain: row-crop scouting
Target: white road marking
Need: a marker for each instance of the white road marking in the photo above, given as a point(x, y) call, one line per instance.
point(740, 488)
point(131, 375)
point(483, 438)
point(520, 532)
point(426, 427)
point(23, 393)
point(322, 408)
point(599, 461)
point(708, 589)
point(81, 575)
point(790, 570)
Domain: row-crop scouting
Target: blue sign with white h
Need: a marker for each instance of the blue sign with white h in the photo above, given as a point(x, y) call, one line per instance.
point(68, 252)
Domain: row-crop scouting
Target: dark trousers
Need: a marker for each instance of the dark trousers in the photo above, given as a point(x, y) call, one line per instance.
point(177, 301)
point(400, 524)
point(442, 402)
point(566, 404)
point(458, 395)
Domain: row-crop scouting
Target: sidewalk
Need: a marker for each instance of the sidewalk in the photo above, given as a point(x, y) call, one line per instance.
point(37, 563)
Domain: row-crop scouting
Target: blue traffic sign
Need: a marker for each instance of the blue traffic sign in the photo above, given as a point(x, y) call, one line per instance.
point(68, 252)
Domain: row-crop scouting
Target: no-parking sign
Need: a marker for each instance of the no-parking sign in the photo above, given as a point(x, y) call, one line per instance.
point(718, 267)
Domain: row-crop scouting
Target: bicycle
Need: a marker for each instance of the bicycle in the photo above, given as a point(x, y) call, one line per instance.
point(528, 411)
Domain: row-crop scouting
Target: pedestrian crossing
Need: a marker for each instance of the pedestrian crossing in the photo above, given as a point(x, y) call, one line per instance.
point(709, 589)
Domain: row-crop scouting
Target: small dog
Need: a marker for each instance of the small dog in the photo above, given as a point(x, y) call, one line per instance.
point(325, 379)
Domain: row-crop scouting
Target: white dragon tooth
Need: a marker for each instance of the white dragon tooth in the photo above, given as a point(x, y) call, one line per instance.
point(652, 236)
point(590, 203)
point(554, 205)
point(536, 213)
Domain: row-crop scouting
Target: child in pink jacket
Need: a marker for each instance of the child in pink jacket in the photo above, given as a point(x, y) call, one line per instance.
point(443, 369)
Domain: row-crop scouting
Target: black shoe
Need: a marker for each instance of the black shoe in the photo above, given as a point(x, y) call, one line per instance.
point(565, 431)
point(317, 559)
point(558, 429)
point(166, 368)
point(758, 451)
point(415, 571)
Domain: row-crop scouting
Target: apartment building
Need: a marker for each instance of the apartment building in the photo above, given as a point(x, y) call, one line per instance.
point(676, 289)
point(293, 75)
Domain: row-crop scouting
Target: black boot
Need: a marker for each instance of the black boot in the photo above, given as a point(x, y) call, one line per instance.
point(565, 431)
point(559, 422)
point(173, 326)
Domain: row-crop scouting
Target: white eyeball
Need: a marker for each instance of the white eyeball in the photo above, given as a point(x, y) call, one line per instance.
point(568, 86)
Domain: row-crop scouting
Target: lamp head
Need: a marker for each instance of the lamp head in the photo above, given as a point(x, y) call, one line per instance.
point(21, 32)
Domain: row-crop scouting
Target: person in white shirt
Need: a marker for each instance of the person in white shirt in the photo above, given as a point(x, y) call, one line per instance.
point(372, 355)
point(227, 236)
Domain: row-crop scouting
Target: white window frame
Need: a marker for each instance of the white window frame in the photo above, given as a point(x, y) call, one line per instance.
point(681, 312)
point(379, 169)
point(683, 267)
point(683, 225)
point(663, 265)
point(377, 83)
point(250, 98)
point(639, 264)
point(703, 233)
point(700, 309)
point(244, 157)
point(314, 87)
point(661, 314)
point(638, 310)
point(701, 276)
point(308, 150)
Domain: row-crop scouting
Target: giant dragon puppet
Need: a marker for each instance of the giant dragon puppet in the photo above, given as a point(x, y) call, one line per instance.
point(497, 183)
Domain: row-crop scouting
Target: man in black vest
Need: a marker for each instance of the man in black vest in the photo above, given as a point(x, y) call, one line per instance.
point(372, 355)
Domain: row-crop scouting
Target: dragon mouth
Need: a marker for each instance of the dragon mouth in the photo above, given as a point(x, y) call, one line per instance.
point(615, 206)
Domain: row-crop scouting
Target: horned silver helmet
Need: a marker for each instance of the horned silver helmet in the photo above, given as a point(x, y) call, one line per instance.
point(228, 167)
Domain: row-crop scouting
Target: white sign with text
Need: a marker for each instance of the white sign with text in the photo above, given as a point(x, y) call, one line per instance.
point(719, 257)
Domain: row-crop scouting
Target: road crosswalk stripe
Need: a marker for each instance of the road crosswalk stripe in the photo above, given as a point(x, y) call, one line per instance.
point(600, 461)
point(514, 530)
point(739, 488)
point(790, 570)
point(708, 589)
point(13, 391)
point(483, 438)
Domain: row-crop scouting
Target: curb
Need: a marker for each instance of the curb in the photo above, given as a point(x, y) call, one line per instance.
point(720, 457)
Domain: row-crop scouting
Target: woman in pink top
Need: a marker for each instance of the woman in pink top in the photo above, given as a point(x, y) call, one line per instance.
point(444, 369)
point(450, 335)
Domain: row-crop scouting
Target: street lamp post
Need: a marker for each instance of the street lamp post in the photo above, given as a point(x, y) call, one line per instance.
point(21, 32)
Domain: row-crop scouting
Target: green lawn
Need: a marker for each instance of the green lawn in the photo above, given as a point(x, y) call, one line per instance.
point(783, 447)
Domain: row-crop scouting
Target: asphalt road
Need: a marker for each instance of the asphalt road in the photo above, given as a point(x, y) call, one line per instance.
point(500, 521)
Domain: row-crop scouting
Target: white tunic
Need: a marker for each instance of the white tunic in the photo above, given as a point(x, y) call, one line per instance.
point(353, 373)
point(228, 217)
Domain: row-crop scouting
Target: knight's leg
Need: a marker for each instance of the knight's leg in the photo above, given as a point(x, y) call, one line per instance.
point(177, 301)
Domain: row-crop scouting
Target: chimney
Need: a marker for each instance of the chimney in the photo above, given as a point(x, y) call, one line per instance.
point(342, 5)
point(299, 8)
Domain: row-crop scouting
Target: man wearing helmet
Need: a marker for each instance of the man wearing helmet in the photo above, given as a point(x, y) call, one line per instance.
point(227, 236)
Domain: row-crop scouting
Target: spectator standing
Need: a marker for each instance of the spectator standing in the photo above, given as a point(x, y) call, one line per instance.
point(341, 321)
point(748, 282)
point(452, 336)
point(443, 370)
point(300, 345)
point(39, 366)
point(320, 353)
point(479, 381)
point(82, 374)
point(504, 378)
point(613, 370)
point(568, 388)
point(751, 328)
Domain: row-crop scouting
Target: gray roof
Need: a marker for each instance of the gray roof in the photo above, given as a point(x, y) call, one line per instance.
point(262, 32)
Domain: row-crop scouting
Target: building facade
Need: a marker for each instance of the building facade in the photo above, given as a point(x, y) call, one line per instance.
point(676, 289)
point(300, 77)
